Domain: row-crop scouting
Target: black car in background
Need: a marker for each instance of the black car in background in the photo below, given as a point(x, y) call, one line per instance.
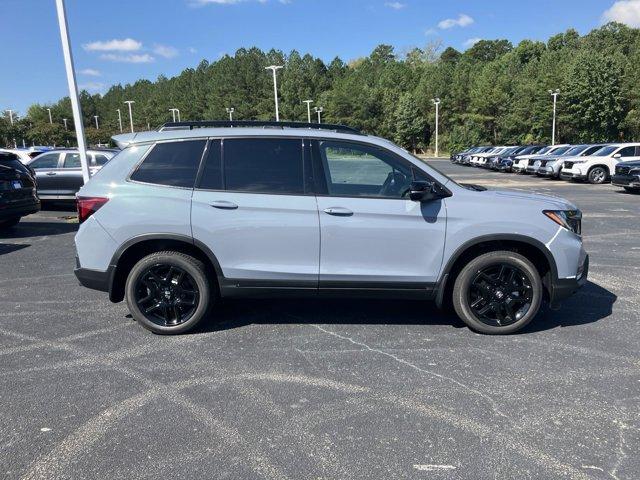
point(18, 196)
point(503, 163)
point(627, 175)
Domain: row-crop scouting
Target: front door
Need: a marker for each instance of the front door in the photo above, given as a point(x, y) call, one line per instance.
point(371, 234)
point(251, 209)
point(47, 169)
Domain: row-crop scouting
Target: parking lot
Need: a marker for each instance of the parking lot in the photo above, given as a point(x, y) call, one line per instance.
point(322, 389)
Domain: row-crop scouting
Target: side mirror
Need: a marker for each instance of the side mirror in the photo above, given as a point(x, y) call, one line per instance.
point(421, 191)
point(617, 155)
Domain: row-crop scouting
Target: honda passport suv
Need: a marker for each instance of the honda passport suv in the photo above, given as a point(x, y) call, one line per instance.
point(197, 211)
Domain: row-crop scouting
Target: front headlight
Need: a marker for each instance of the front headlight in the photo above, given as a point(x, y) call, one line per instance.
point(569, 219)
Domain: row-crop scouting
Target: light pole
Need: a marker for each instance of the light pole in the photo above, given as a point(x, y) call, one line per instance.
point(319, 111)
point(308, 102)
point(10, 116)
point(554, 94)
point(76, 108)
point(50, 119)
point(274, 69)
point(65, 124)
point(129, 102)
point(120, 120)
point(436, 102)
point(230, 111)
point(97, 125)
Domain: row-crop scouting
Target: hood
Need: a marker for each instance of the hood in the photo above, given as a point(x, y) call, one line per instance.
point(630, 163)
point(548, 202)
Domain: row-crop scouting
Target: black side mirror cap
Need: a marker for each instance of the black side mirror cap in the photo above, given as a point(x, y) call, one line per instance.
point(421, 191)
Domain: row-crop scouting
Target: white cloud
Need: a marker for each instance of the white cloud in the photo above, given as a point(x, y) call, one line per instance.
point(624, 11)
point(471, 42)
point(115, 45)
point(395, 5)
point(90, 72)
point(463, 20)
point(92, 86)
point(192, 50)
point(165, 51)
point(131, 58)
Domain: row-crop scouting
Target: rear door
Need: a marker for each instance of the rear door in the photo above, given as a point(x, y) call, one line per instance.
point(253, 210)
point(372, 234)
point(47, 168)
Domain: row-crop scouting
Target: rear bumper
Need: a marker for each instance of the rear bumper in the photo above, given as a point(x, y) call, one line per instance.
point(565, 287)
point(632, 181)
point(9, 211)
point(93, 279)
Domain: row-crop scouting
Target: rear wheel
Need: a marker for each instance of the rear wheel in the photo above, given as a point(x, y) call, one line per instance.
point(498, 293)
point(597, 175)
point(168, 292)
point(12, 222)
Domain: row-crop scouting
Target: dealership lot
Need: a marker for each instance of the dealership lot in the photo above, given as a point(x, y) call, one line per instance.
point(322, 389)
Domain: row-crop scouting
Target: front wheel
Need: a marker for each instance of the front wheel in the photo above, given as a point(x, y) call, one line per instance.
point(498, 293)
point(597, 175)
point(168, 292)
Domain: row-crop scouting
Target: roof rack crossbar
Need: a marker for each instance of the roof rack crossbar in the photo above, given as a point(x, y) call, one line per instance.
point(258, 124)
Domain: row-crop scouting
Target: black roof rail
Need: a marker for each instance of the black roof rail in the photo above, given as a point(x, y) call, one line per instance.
point(257, 124)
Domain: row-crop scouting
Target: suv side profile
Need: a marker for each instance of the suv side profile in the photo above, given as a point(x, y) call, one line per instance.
point(195, 212)
point(598, 167)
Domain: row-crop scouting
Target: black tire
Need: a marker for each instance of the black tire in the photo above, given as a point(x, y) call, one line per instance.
point(164, 296)
point(597, 175)
point(632, 189)
point(470, 289)
point(12, 222)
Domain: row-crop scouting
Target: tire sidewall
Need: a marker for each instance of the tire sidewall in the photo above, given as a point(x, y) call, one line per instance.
point(177, 260)
point(463, 282)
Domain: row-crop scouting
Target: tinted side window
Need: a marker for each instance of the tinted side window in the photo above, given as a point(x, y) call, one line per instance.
point(212, 171)
point(47, 160)
point(101, 159)
point(263, 165)
point(71, 160)
point(172, 163)
point(628, 152)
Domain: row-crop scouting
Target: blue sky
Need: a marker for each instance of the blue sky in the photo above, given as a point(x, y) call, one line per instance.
point(120, 41)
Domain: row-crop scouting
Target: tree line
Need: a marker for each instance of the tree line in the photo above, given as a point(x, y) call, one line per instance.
point(492, 93)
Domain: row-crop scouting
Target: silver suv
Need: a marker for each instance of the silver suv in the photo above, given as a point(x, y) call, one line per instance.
point(198, 211)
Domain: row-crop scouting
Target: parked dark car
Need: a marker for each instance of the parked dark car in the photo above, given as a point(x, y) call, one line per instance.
point(627, 175)
point(58, 172)
point(18, 196)
point(503, 163)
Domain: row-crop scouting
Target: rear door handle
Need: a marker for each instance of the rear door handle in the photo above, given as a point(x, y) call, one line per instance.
point(51, 173)
point(338, 211)
point(223, 204)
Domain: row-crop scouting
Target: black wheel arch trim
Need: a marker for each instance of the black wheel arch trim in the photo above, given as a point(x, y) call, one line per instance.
point(445, 274)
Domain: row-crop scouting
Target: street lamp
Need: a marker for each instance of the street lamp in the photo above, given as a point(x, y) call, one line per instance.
point(65, 124)
point(319, 111)
point(230, 111)
point(129, 102)
point(97, 126)
point(50, 119)
point(436, 102)
point(308, 102)
point(10, 116)
point(119, 120)
point(274, 69)
point(554, 94)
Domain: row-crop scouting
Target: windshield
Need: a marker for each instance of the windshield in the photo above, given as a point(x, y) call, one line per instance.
point(560, 151)
point(544, 150)
point(573, 151)
point(604, 151)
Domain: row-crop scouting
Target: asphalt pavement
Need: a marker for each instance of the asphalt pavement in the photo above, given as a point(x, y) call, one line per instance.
point(332, 389)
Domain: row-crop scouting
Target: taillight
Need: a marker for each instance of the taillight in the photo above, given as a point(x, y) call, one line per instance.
point(87, 206)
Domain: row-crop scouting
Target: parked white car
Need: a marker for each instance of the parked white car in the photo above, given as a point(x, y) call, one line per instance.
point(25, 155)
point(598, 167)
point(481, 158)
point(521, 162)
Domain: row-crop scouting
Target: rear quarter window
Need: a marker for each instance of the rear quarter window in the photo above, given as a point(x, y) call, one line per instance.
point(173, 164)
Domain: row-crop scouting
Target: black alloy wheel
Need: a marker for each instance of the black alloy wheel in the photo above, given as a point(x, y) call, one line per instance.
point(166, 294)
point(500, 294)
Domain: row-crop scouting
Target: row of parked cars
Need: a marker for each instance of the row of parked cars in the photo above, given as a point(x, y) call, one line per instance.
point(28, 176)
point(618, 163)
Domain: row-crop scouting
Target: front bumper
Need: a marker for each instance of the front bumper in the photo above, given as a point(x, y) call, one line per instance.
point(546, 172)
point(632, 181)
point(565, 287)
point(8, 211)
point(572, 175)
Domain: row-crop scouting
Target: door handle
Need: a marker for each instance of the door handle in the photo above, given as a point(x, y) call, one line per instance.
point(51, 173)
point(338, 211)
point(224, 205)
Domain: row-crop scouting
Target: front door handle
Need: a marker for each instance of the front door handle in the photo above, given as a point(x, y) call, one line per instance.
point(223, 204)
point(338, 211)
point(51, 173)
